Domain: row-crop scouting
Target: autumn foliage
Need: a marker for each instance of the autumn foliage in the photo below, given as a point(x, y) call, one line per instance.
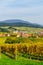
point(26, 48)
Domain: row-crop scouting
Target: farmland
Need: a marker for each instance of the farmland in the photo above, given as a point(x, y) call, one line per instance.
point(29, 29)
point(21, 51)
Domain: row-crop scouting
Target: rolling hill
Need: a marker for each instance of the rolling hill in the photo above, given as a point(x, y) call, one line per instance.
point(17, 22)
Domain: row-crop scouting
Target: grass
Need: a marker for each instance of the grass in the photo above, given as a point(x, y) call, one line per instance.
point(2, 40)
point(34, 40)
point(5, 60)
point(30, 29)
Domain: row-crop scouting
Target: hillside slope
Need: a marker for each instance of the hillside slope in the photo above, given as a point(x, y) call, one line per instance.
point(17, 22)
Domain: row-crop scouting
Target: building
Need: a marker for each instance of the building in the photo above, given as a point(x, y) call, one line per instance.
point(2, 34)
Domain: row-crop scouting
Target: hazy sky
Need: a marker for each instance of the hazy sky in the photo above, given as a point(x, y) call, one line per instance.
point(30, 10)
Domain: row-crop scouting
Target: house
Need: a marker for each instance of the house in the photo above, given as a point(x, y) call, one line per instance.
point(24, 34)
point(20, 33)
point(41, 34)
point(3, 34)
point(7, 34)
point(29, 35)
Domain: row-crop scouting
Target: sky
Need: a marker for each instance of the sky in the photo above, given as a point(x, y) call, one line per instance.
point(28, 10)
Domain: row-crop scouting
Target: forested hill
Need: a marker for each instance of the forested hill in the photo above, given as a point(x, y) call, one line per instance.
point(17, 22)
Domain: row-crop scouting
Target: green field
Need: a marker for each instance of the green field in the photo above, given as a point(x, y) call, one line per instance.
point(12, 28)
point(29, 29)
point(2, 40)
point(5, 60)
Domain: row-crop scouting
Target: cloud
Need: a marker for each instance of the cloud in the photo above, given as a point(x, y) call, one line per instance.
point(31, 10)
point(4, 3)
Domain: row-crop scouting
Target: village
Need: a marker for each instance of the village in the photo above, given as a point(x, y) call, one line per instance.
point(23, 34)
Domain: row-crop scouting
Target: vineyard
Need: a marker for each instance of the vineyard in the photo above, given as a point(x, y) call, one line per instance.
point(28, 50)
point(32, 51)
